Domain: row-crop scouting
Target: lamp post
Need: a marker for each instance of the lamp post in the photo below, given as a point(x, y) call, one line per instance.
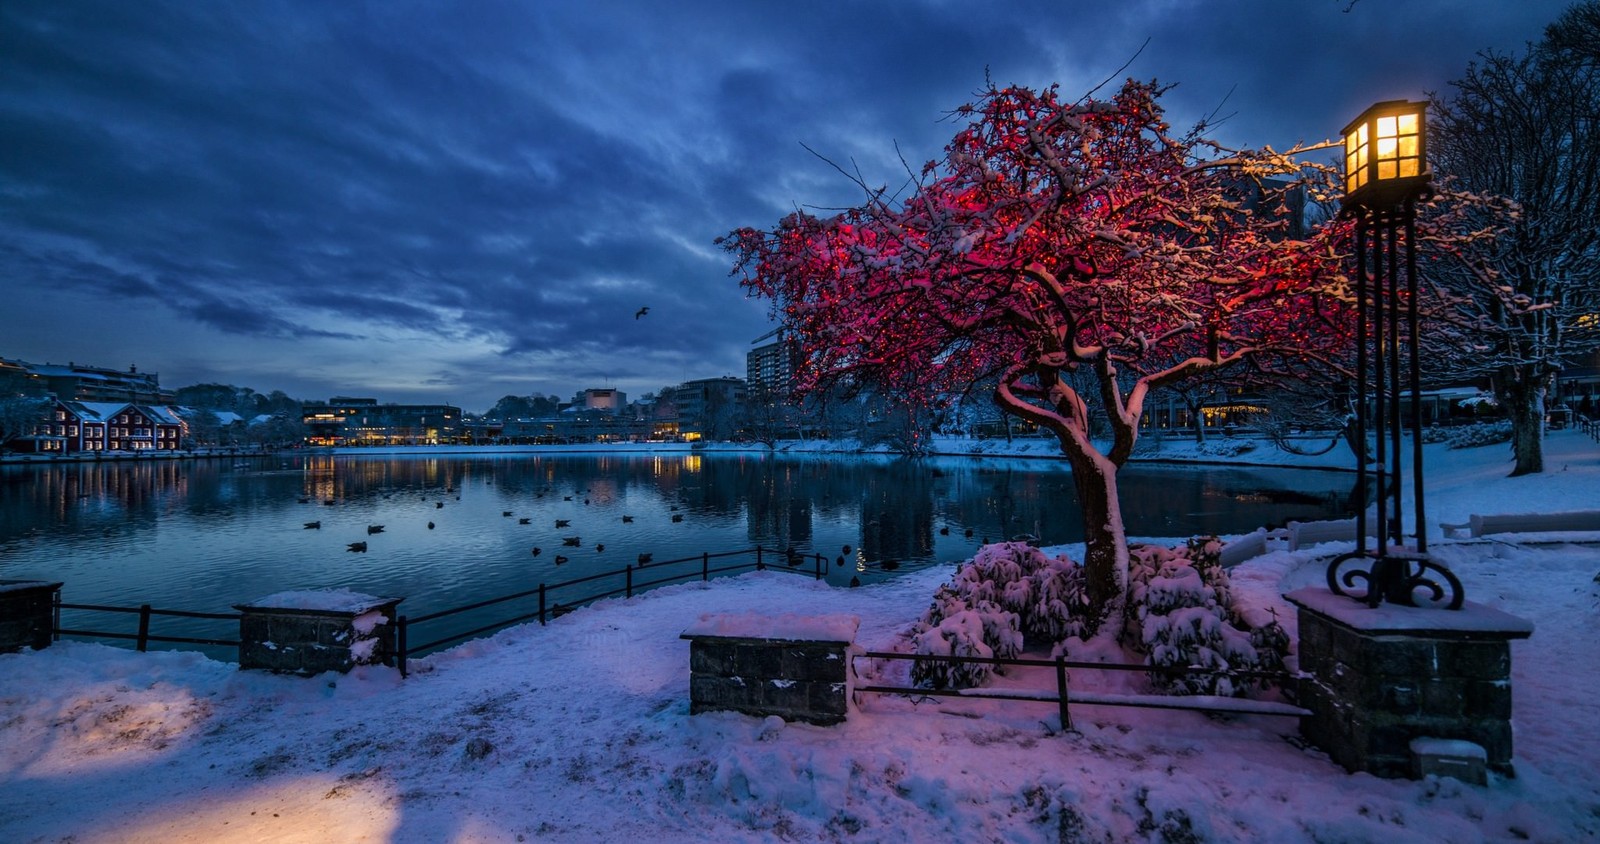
point(1385, 175)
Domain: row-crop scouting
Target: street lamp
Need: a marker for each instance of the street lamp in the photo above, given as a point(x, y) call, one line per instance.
point(1385, 175)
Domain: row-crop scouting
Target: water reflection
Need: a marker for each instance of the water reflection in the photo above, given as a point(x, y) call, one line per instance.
point(206, 534)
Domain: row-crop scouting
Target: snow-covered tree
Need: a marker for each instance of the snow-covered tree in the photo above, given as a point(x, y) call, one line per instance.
point(1056, 237)
point(1524, 129)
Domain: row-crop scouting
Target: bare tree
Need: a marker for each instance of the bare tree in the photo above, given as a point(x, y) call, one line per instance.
point(1524, 129)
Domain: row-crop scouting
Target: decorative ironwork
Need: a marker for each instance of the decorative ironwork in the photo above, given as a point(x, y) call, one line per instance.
point(1387, 143)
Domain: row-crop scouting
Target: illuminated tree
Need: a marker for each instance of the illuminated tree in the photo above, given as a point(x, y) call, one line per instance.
point(1057, 237)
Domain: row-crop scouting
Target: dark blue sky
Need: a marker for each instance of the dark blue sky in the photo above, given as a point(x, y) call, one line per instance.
point(453, 201)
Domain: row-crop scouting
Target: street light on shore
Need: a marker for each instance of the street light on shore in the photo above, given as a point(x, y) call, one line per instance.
point(1385, 175)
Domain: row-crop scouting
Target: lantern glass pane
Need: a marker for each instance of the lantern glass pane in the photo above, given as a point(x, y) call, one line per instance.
point(1408, 146)
point(1408, 167)
point(1350, 141)
point(1408, 124)
point(1387, 169)
point(1386, 127)
point(1387, 148)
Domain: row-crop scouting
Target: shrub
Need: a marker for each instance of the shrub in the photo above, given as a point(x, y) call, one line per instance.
point(1006, 591)
point(1179, 614)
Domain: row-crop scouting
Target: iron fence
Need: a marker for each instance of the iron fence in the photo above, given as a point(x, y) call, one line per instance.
point(141, 637)
point(551, 600)
point(1063, 696)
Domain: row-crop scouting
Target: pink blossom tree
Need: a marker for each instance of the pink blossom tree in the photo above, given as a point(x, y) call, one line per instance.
point(1056, 239)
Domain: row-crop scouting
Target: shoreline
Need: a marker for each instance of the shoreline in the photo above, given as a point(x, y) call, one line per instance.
point(1185, 453)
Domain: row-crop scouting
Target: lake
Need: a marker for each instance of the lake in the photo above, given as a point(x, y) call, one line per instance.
point(206, 534)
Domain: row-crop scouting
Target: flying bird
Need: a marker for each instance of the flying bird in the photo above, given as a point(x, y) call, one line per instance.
point(641, 312)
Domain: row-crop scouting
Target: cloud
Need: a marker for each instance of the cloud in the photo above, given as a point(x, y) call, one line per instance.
point(471, 191)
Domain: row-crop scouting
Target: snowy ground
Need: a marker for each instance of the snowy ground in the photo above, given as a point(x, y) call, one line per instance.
point(580, 732)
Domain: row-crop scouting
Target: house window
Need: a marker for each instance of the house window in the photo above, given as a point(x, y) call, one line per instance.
point(72, 430)
point(61, 416)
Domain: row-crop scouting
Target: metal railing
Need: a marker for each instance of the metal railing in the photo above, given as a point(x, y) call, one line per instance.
point(1063, 696)
point(141, 637)
point(654, 574)
point(1590, 427)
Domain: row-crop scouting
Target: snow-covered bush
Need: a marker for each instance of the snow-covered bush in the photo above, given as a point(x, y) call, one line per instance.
point(1179, 613)
point(1007, 590)
point(1472, 436)
point(1227, 448)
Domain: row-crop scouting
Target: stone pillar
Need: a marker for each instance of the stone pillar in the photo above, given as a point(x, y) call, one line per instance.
point(793, 666)
point(1382, 677)
point(309, 632)
point(27, 614)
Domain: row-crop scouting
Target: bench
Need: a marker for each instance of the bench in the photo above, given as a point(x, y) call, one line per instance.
point(1306, 534)
point(1574, 520)
point(1246, 547)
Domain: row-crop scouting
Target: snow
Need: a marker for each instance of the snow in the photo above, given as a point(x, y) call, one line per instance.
point(320, 600)
point(580, 731)
point(792, 627)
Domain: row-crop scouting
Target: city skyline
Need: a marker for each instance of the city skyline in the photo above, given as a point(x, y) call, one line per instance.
point(441, 203)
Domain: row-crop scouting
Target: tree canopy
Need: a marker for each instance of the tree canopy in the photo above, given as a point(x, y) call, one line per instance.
point(1058, 237)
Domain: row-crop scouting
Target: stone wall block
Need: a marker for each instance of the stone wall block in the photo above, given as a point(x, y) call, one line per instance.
point(1444, 697)
point(1382, 677)
point(1477, 660)
point(27, 614)
point(1489, 699)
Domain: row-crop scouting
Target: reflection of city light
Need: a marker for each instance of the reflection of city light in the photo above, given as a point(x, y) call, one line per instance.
point(691, 463)
point(861, 561)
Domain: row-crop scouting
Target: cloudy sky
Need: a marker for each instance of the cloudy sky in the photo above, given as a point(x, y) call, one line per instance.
point(455, 201)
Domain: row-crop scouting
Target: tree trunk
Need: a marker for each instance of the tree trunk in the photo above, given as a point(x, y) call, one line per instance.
point(1105, 559)
point(1525, 405)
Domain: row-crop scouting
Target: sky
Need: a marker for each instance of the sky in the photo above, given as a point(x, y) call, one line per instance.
point(453, 202)
point(581, 732)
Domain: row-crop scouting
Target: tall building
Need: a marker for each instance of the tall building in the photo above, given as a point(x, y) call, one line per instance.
point(769, 368)
point(73, 382)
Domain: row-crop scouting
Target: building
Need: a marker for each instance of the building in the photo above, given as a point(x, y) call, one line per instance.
point(606, 400)
point(96, 384)
point(70, 427)
point(769, 368)
point(345, 420)
point(709, 408)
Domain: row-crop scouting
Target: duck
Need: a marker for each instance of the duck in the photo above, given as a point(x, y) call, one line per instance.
point(601, 546)
point(305, 501)
point(627, 519)
point(560, 559)
point(846, 550)
point(561, 523)
point(328, 502)
point(944, 531)
point(560, 610)
point(969, 533)
point(524, 521)
point(855, 582)
point(438, 505)
point(313, 525)
point(537, 550)
point(574, 541)
point(644, 559)
point(358, 546)
point(506, 513)
point(566, 498)
point(372, 529)
point(430, 525)
point(677, 517)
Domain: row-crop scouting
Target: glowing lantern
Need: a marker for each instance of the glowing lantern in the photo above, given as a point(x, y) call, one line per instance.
point(1385, 154)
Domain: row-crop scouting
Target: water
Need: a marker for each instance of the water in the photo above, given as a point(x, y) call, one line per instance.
point(204, 535)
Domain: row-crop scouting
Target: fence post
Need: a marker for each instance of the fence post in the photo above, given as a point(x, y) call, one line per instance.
point(401, 646)
point(759, 564)
point(630, 581)
point(1061, 689)
point(144, 627)
point(705, 565)
point(541, 605)
point(816, 565)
